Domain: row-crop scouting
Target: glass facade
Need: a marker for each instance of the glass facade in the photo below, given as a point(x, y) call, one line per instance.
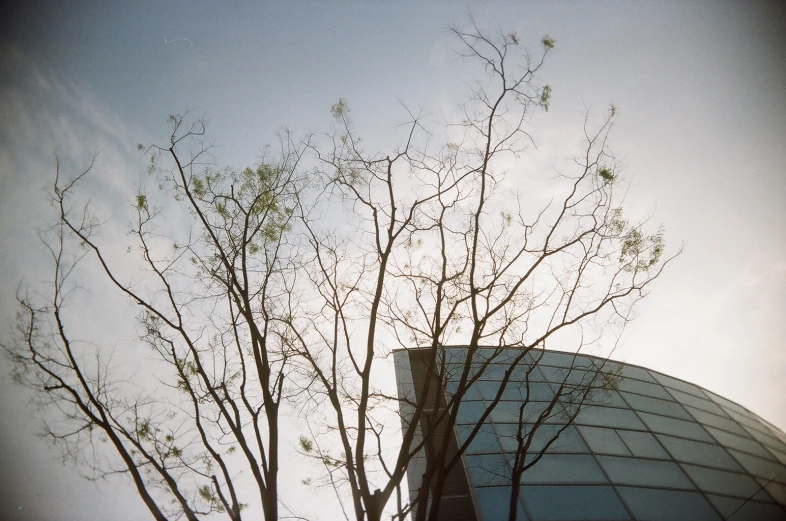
point(632, 444)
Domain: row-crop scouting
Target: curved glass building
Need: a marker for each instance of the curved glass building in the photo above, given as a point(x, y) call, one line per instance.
point(609, 441)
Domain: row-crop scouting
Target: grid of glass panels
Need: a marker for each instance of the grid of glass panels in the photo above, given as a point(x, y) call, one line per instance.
point(638, 445)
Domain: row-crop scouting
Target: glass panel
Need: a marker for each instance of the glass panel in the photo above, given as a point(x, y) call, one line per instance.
point(455, 355)
point(564, 360)
point(720, 400)
point(634, 471)
point(689, 399)
point(553, 374)
point(607, 397)
point(536, 375)
point(564, 468)
point(497, 355)
point(487, 390)
point(643, 444)
point(647, 404)
point(470, 412)
point(722, 482)
point(680, 385)
point(676, 427)
point(707, 454)
point(778, 433)
point(604, 441)
point(738, 442)
point(506, 432)
point(748, 420)
point(638, 373)
point(608, 365)
point(485, 440)
point(609, 417)
point(776, 490)
point(742, 510)
point(644, 388)
point(494, 503)
point(487, 469)
point(780, 456)
point(579, 503)
point(769, 470)
point(558, 413)
point(657, 505)
point(491, 371)
point(517, 391)
point(568, 440)
point(721, 422)
point(508, 412)
point(767, 440)
point(472, 393)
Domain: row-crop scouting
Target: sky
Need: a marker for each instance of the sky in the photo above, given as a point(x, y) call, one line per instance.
point(700, 134)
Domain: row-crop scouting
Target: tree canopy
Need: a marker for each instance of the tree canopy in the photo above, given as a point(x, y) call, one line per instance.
point(270, 300)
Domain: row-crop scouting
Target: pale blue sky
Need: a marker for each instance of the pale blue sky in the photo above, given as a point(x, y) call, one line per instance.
point(701, 133)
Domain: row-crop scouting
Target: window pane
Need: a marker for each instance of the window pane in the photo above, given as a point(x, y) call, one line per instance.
point(722, 482)
point(720, 400)
point(643, 444)
point(487, 469)
point(455, 355)
point(553, 374)
point(485, 440)
point(644, 388)
point(685, 387)
point(700, 453)
point(738, 442)
point(494, 503)
point(564, 468)
point(609, 366)
point(769, 470)
point(508, 412)
point(767, 440)
point(517, 391)
point(742, 510)
point(721, 422)
point(638, 373)
point(676, 427)
point(486, 354)
point(609, 417)
point(657, 505)
point(491, 371)
point(647, 404)
point(634, 471)
point(470, 412)
point(564, 360)
point(776, 490)
point(568, 440)
point(689, 399)
point(487, 390)
point(472, 393)
point(604, 441)
point(550, 503)
point(780, 456)
point(748, 420)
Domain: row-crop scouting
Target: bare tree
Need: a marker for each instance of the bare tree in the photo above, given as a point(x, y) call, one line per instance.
point(289, 285)
point(435, 248)
point(207, 299)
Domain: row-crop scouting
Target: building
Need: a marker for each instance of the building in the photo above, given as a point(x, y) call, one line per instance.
point(635, 443)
